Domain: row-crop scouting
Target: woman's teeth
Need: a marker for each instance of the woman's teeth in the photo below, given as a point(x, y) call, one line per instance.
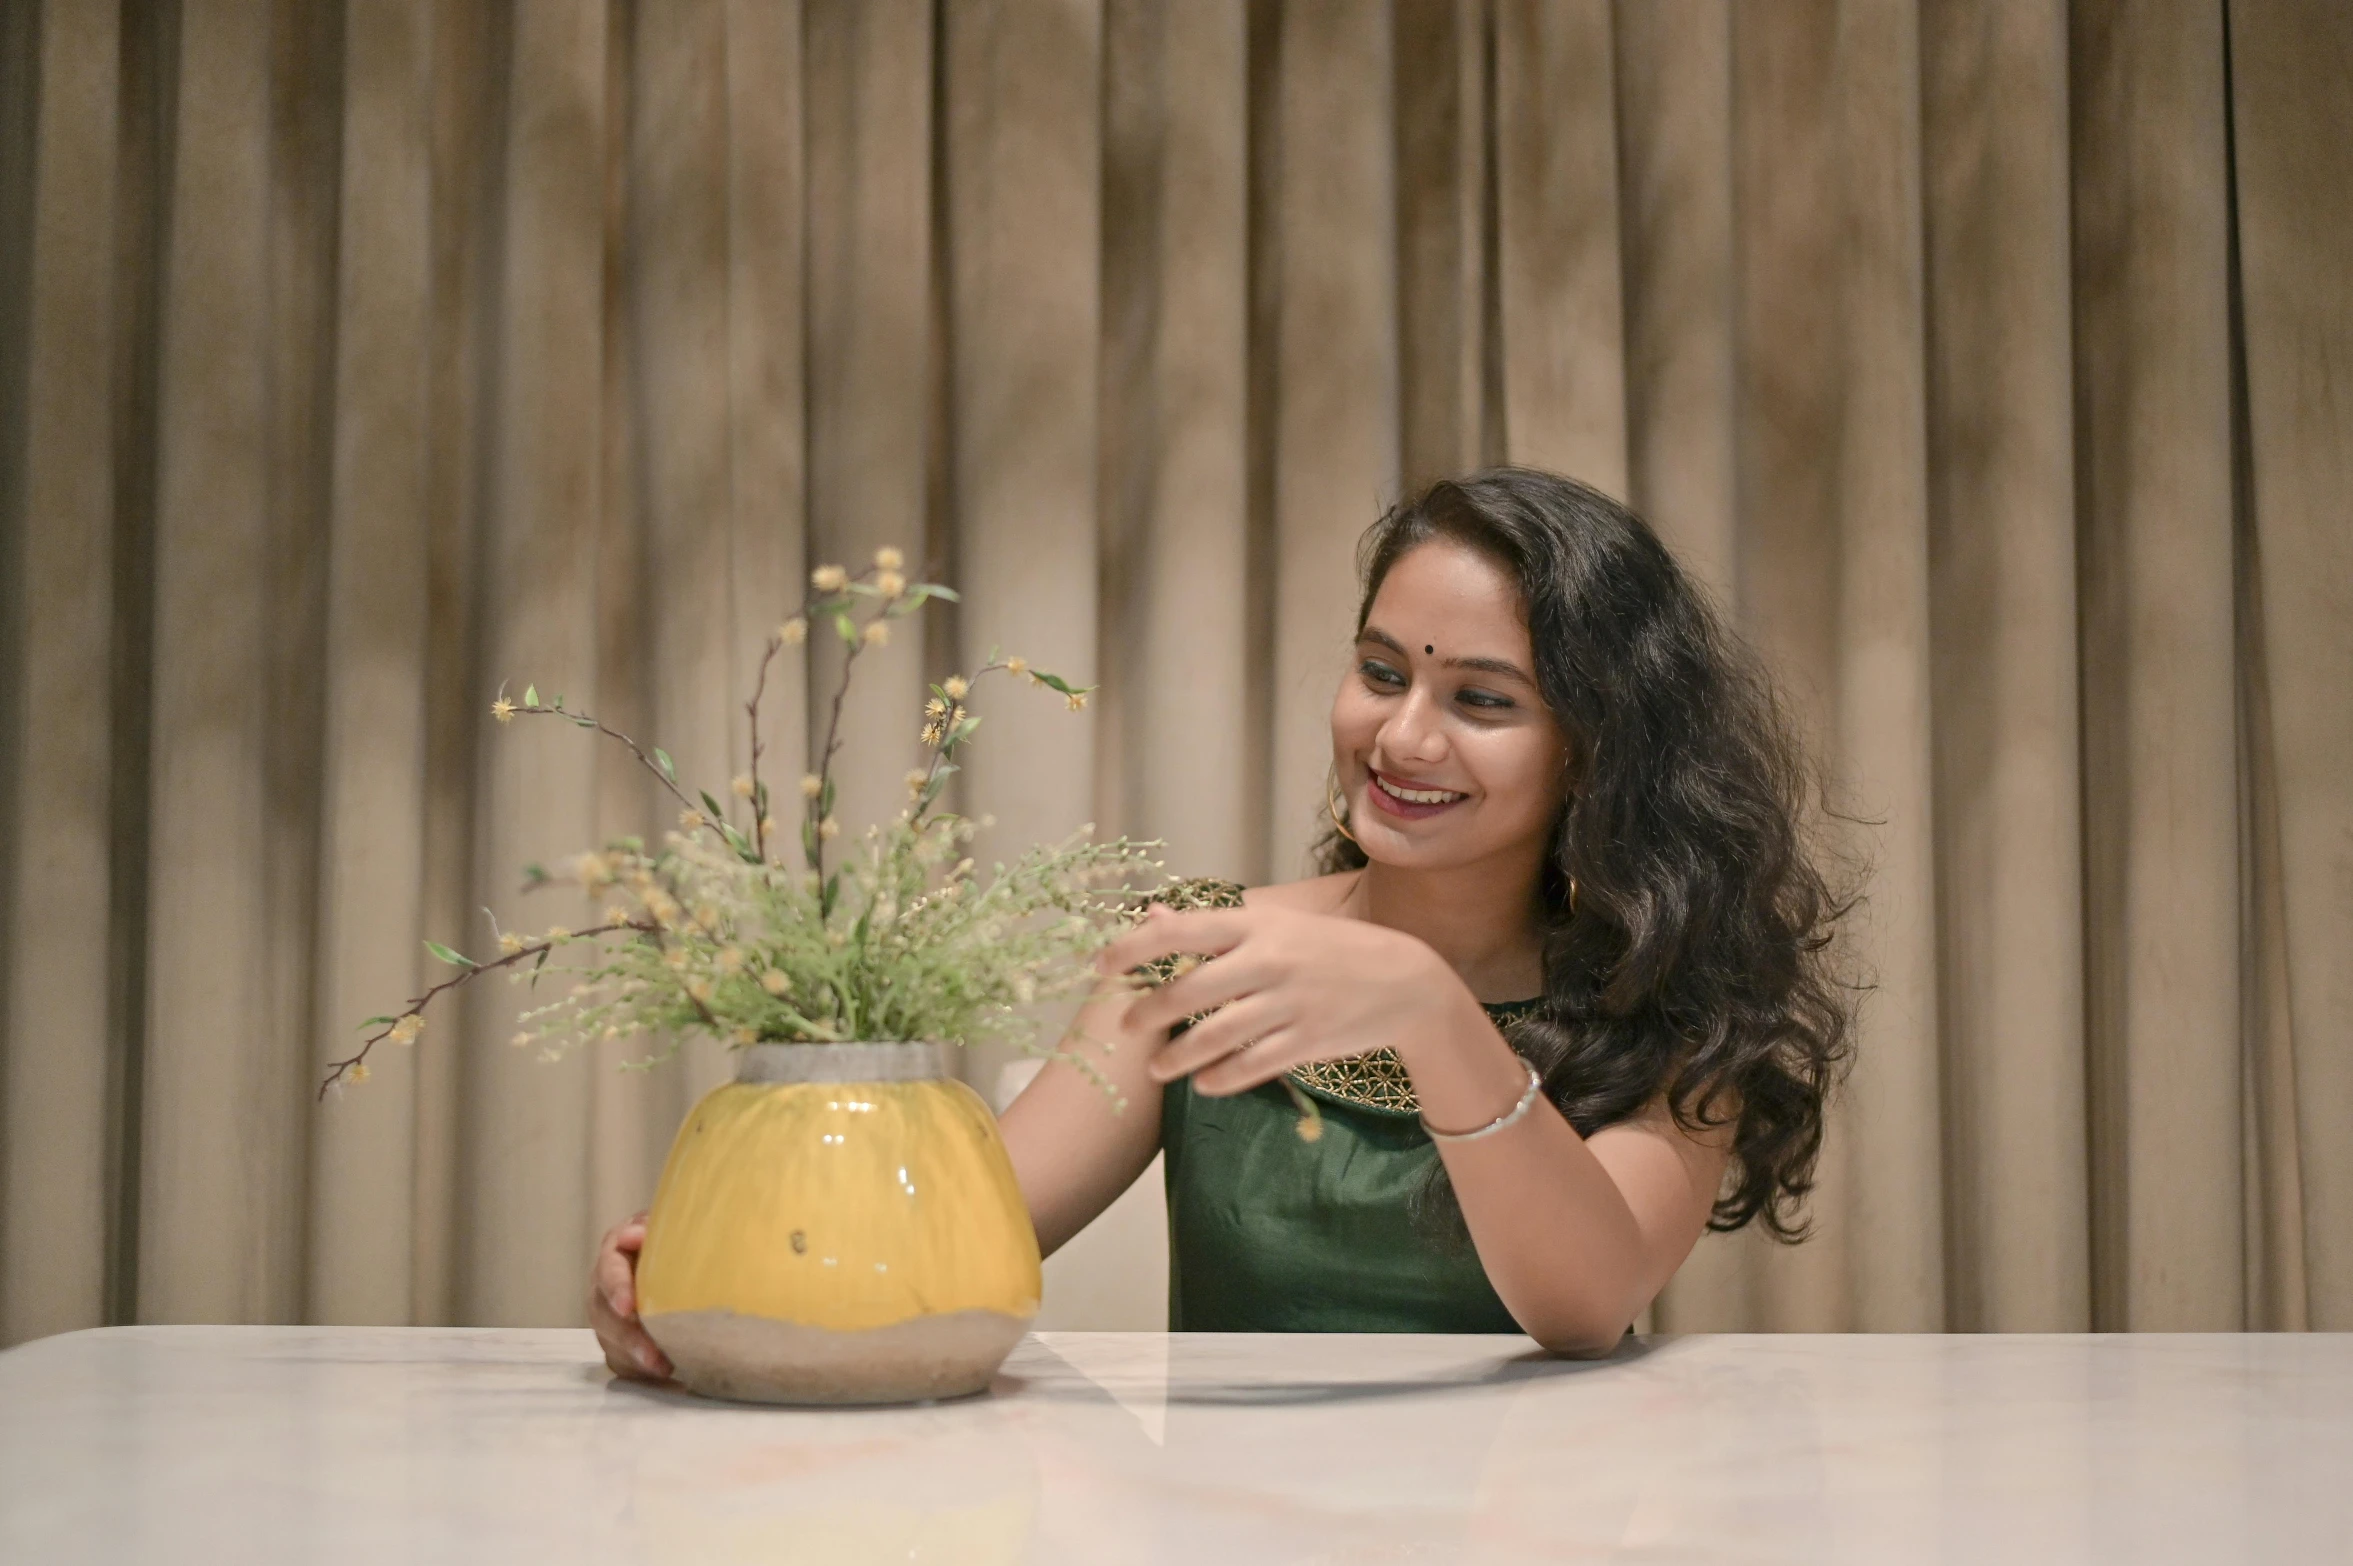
point(1415, 796)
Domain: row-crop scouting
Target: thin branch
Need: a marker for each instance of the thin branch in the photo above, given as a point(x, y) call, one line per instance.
point(752, 709)
point(586, 721)
point(338, 1069)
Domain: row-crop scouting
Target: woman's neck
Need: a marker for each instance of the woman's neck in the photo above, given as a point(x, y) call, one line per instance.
point(1485, 919)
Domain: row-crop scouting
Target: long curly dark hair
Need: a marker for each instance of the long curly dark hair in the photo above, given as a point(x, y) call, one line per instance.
point(1696, 954)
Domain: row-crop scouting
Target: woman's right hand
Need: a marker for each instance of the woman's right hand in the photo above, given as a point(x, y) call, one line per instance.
point(612, 1306)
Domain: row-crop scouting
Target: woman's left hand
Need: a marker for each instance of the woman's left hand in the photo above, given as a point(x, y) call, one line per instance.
point(1286, 988)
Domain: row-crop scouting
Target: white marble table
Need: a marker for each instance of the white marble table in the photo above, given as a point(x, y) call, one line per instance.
point(259, 1445)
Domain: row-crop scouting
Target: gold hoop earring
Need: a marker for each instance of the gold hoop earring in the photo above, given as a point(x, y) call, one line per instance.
point(1332, 807)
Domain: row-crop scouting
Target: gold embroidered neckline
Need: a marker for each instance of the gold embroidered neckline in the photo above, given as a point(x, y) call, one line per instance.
point(1375, 1081)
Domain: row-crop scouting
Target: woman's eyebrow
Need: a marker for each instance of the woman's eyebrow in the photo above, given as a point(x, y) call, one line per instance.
point(1502, 666)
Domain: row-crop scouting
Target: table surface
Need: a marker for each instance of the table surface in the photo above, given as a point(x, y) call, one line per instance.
point(351, 1445)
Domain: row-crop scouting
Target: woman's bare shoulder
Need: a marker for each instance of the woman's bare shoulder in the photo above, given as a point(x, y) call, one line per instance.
point(1316, 894)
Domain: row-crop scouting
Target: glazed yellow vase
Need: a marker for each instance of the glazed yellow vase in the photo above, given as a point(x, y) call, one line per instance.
point(839, 1224)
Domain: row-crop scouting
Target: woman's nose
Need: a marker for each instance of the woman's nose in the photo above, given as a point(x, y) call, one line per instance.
point(1414, 732)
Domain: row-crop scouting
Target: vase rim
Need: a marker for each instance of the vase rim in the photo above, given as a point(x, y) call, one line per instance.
point(865, 1060)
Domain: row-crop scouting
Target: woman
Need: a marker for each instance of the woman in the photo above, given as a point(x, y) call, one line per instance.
point(1560, 998)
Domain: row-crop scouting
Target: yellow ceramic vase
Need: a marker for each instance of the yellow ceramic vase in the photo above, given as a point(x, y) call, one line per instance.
point(838, 1225)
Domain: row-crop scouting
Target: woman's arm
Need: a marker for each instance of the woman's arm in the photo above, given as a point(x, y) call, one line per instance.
point(1577, 1234)
point(1074, 1147)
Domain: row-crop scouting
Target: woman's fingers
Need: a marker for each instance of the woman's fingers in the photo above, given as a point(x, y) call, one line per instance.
point(1268, 1057)
point(615, 1272)
point(612, 1306)
point(1237, 1027)
point(1163, 933)
point(1202, 988)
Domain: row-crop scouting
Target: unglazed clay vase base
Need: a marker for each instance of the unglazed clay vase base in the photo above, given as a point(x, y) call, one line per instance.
point(750, 1359)
point(840, 1224)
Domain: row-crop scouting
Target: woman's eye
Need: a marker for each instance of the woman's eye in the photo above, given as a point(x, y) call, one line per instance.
point(1486, 701)
point(1380, 673)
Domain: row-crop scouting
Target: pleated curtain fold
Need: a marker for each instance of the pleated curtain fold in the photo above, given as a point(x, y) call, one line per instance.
point(359, 357)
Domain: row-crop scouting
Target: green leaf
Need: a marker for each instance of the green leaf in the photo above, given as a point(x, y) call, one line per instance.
point(454, 959)
point(378, 1022)
point(585, 723)
point(530, 695)
point(935, 590)
point(534, 873)
point(718, 816)
point(938, 781)
point(825, 798)
point(1055, 682)
point(662, 760)
point(809, 842)
point(846, 629)
point(962, 731)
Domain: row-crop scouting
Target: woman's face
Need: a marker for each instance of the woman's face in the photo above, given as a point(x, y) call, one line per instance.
point(1445, 751)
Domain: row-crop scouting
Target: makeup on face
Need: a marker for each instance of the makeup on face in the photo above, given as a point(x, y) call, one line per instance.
point(1421, 735)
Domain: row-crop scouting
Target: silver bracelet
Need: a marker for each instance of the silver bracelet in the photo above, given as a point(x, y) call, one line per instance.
point(1535, 1087)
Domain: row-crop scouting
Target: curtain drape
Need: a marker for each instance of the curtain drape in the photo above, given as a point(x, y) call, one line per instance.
point(358, 356)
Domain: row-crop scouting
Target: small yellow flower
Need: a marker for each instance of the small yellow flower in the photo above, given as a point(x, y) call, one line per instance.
point(556, 932)
point(503, 710)
point(700, 989)
point(877, 633)
point(730, 960)
point(955, 685)
point(1309, 1129)
point(793, 632)
point(510, 942)
point(405, 1031)
point(675, 959)
point(1078, 701)
point(811, 785)
point(775, 982)
point(888, 558)
point(829, 579)
point(935, 708)
point(1017, 665)
point(745, 1036)
point(707, 916)
point(692, 820)
point(742, 787)
point(358, 1073)
point(916, 778)
point(595, 870)
point(889, 583)
point(829, 829)
point(522, 1041)
point(616, 914)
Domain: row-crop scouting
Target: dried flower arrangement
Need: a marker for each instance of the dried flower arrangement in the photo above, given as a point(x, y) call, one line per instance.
point(712, 930)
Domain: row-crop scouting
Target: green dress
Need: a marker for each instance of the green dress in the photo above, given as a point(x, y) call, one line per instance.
point(1268, 1232)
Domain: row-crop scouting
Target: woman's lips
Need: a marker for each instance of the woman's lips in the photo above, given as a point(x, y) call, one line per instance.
point(1405, 809)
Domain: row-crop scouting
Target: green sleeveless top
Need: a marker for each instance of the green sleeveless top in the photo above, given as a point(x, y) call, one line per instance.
point(1269, 1232)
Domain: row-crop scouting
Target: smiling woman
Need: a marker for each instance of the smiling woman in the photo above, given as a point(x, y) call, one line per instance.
point(1559, 1004)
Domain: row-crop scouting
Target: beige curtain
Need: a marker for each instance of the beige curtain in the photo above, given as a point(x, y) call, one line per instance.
point(1988, 361)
